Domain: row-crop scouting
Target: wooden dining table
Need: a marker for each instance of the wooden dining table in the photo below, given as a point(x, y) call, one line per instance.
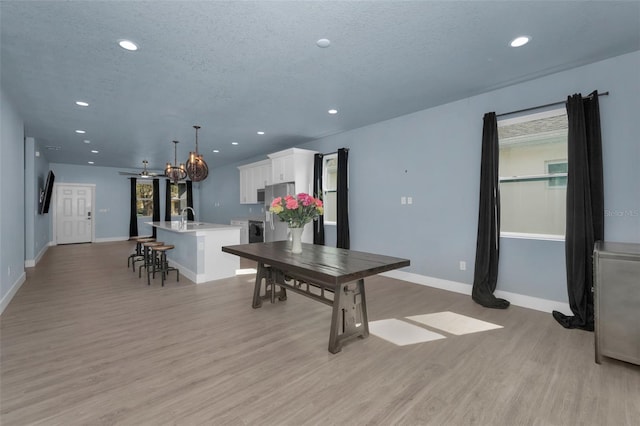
point(328, 275)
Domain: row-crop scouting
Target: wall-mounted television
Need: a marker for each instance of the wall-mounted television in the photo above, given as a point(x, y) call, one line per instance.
point(45, 194)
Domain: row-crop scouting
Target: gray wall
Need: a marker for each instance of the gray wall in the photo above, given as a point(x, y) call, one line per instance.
point(434, 157)
point(12, 188)
point(112, 204)
point(37, 226)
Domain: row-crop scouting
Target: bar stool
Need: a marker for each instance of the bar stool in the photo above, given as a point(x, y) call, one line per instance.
point(138, 256)
point(146, 252)
point(161, 265)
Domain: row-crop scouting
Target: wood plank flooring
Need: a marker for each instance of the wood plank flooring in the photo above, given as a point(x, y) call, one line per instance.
point(85, 342)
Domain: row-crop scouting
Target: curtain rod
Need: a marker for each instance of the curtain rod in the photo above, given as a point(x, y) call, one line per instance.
point(334, 152)
point(544, 106)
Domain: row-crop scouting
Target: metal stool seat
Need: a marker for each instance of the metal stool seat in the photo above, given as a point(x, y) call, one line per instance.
point(146, 252)
point(161, 265)
point(137, 256)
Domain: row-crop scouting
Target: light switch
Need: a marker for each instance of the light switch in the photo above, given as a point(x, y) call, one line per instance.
point(409, 200)
point(403, 200)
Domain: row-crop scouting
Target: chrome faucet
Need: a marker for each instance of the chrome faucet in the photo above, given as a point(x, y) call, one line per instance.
point(183, 221)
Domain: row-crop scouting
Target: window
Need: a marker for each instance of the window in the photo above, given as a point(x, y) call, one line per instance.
point(560, 169)
point(178, 198)
point(144, 197)
point(330, 188)
point(533, 174)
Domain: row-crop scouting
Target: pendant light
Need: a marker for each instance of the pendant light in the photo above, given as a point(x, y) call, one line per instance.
point(197, 168)
point(175, 172)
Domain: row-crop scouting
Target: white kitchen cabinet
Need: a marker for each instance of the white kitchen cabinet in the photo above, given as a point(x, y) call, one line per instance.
point(253, 176)
point(293, 165)
point(283, 169)
point(247, 196)
point(244, 229)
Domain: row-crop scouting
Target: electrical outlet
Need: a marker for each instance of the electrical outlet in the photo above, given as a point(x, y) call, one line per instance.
point(409, 200)
point(463, 265)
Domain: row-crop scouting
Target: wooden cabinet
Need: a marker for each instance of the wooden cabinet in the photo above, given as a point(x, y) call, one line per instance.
point(253, 176)
point(616, 270)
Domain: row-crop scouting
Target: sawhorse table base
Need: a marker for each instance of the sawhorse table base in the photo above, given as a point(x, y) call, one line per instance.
point(349, 317)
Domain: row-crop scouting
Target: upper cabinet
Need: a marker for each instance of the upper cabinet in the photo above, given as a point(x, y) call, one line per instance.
point(282, 169)
point(253, 176)
point(291, 165)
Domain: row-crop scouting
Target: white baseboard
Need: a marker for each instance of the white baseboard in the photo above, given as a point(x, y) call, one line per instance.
point(30, 263)
point(516, 299)
point(187, 273)
point(12, 291)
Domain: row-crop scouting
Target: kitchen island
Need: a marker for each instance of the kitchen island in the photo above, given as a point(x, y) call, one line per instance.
point(198, 248)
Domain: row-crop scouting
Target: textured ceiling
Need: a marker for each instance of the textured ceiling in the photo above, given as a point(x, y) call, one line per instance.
point(236, 67)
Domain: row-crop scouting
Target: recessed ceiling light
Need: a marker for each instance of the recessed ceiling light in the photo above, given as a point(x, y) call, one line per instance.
point(333, 111)
point(81, 132)
point(95, 151)
point(261, 132)
point(234, 143)
point(90, 162)
point(87, 141)
point(128, 45)
point(82, 103)
point(216, 151)
point(323, 42)
point(519, 41)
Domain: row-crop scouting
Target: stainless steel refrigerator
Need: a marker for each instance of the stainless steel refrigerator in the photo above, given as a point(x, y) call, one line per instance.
point(274, 228)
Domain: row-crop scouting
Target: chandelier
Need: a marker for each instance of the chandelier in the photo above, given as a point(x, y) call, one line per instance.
point(197, 168)
point(175, 172)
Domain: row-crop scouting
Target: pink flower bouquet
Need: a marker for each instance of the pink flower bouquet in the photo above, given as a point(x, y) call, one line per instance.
point(298, 210)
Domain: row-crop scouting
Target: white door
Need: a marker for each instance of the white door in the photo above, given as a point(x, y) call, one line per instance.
point(74, 214)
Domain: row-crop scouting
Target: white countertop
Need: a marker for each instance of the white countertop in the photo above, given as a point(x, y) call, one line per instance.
point(177, 226)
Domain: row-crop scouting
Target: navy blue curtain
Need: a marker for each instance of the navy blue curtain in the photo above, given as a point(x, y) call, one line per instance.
point(156, 204)
point(190, 200)
point(133, 216)
point(318, 225)
point(167, 201)
point(485, 276)
point(585, 207)
point(343, 238)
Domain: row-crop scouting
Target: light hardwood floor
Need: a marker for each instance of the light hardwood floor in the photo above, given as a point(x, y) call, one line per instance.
point(85, 342)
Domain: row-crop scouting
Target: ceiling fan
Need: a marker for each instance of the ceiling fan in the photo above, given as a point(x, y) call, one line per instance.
point(144, 173)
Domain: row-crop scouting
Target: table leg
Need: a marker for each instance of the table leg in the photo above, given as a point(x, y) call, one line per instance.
point(262, 273)
point(349, 317)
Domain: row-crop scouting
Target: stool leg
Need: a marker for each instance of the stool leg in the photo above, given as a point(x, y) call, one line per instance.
point(138, 254)
point(144, 249)
point(163, 265)
point(154, 269)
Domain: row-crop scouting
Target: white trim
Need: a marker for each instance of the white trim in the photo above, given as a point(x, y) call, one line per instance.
point(526, 236)
point(30, 263)
point(12, 291)
point(516, 299)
